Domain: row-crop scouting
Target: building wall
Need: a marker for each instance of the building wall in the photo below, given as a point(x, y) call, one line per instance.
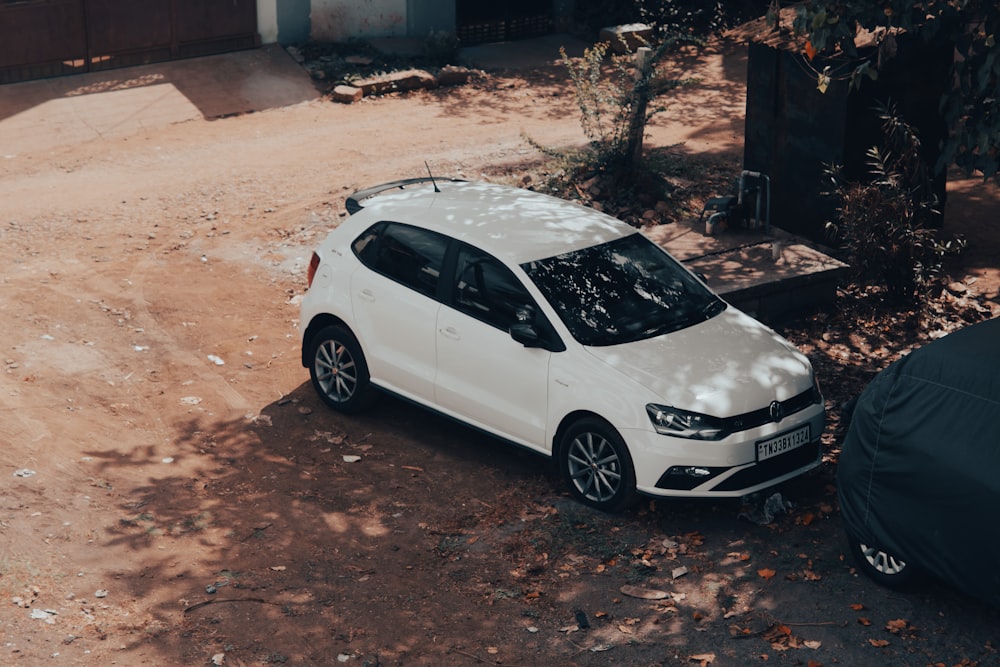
point(296, 21)
point(340, 20)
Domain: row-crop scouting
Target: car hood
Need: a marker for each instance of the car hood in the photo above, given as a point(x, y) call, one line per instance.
point(725, 366)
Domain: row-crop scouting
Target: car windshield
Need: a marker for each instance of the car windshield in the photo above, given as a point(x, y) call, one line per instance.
point(626, 290)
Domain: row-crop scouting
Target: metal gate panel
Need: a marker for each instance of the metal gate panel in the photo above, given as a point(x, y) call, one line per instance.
point(40, 38)
point(123, 26)
point(478, 22)
point(215, 26)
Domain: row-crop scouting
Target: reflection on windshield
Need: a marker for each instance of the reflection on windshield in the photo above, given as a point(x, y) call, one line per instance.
point(622, 291)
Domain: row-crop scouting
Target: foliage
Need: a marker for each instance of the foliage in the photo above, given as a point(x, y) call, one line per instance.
point(441, 47)
point(972, 109)
point(886, 223)
point(613, 101)
point(689, 16)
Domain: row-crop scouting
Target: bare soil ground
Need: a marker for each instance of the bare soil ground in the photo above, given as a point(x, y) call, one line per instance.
point(174, 493)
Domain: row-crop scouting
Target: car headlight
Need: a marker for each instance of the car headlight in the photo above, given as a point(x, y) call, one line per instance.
point(684, 424)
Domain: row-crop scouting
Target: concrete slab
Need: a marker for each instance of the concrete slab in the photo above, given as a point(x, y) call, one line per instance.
point(50, 112)
point(770, 275)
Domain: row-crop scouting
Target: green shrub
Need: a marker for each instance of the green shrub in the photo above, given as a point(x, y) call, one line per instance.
point(886, 222)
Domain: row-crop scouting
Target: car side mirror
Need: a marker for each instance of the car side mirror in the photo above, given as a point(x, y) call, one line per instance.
point(525, 334)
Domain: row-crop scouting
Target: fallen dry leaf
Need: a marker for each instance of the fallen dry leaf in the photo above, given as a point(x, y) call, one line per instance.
point(766, 573)
point(878, 643)
point(857, 606)
point(703, 658)
point(896, 626)
point(643, 593)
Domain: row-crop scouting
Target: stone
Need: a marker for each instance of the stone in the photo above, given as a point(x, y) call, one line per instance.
point(626, 38)
point(453, 75)
point(347, 94)
point(411, 79)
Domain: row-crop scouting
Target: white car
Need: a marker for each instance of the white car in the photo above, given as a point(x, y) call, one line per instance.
point(560, 329)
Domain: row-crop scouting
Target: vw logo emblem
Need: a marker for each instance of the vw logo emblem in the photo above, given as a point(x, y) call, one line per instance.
point(776, 411)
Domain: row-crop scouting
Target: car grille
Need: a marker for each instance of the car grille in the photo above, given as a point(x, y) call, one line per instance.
point(749, 420)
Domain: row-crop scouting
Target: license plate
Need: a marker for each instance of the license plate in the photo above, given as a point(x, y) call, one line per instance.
point(768, 449)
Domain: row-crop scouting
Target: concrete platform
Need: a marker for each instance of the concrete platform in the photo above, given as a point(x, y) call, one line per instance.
point(770, 275)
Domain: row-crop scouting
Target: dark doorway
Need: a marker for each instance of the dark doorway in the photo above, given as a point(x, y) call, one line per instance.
point(478, 22)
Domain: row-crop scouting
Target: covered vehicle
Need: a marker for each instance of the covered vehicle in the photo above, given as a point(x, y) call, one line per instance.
point(919, 472)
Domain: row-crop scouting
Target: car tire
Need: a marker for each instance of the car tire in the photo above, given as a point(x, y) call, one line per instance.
point(338, 370)
point(880, 566)
point(596, 466)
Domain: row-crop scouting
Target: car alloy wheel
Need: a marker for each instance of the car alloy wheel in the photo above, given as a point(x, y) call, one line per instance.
point(881, 566)
point(597, 467)
point(339, 372)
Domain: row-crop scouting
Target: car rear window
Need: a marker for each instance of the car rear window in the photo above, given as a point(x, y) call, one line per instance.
point(408, 255)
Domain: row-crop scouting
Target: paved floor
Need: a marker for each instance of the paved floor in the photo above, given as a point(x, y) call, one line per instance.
point(120, 102)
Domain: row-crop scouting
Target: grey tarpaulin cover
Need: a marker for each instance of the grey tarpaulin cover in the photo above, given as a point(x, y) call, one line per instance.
point(919, 472)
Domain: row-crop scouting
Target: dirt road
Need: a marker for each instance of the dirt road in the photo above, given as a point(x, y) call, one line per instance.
point(175, 494)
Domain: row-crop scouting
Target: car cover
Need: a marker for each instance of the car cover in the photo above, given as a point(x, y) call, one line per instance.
point(919, 471)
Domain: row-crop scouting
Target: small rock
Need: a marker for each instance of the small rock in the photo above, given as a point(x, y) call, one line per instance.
point(679, 572)
point(347, 94)
point(643, 593)
point(102, 593)
point(451, 75)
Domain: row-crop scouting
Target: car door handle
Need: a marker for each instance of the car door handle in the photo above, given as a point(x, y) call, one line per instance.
point(366, 295)
point(449, 332)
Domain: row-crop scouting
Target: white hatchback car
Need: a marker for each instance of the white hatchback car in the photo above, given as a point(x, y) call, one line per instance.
point(561, 329)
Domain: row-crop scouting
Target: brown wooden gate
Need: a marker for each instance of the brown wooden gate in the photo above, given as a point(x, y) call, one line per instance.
point(478, 22)
point(41, 38)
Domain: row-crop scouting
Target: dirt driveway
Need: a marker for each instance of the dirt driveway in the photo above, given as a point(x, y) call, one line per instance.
point(175, 493)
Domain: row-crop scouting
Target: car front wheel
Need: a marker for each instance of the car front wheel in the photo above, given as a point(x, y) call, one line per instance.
point(596, 466)
point(884, 568)
point(338, 370)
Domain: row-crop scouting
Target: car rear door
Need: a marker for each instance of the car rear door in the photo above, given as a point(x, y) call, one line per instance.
point(483, 374)
point(395, 305)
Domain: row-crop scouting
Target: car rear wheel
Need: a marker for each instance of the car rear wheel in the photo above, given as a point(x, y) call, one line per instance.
point(881, 566)
point(596, 466)
point(338, 370)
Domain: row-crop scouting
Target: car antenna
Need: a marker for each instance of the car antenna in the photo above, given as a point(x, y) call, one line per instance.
point(436, 188)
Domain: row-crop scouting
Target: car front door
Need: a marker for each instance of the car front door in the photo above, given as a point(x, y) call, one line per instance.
point(483, 374)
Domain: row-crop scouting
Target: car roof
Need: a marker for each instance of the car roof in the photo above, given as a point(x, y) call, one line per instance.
point(511, 223)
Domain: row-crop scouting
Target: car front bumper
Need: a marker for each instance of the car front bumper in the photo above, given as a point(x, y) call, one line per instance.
point(669, 466)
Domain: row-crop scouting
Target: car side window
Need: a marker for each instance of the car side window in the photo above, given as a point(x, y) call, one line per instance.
point(409, 255)
point(487, 290)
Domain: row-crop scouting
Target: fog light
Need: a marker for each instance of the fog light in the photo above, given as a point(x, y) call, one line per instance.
point(690, 471)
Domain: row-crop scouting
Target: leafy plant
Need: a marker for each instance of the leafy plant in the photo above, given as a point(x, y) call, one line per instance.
point(886, 223)
point(967, 28)
point(614, 102)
